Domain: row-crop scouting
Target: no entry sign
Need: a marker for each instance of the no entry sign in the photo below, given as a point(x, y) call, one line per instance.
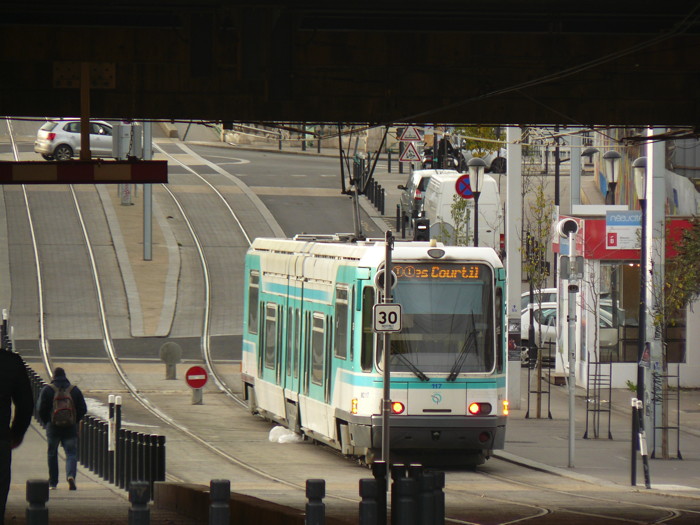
point(196, 377)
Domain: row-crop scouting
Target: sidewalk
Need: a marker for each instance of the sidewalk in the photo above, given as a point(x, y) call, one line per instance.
point(544, 443)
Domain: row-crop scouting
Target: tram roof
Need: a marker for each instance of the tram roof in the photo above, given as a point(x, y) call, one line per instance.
point(371, 252)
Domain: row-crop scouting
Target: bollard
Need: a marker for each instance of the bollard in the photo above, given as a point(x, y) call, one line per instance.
point(139, 496)
point(81, 441)
point(111, 439)
point(121, 439)
point(104, 443)
point(37, 496)
point(415, 471)
point(426, 499)
point(141, 457)
point(89, 452)
point(160, 460)
point(398, 471)
point(219, 498)
point(315, 508)
point(151, 456)
point(403, 511)
point(439, 497)
point(369, 507)
point(94, 433)
point(379, 472)
point(117, 433)
point(128, 471)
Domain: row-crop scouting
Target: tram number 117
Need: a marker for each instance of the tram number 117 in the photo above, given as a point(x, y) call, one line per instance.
point(387, 317)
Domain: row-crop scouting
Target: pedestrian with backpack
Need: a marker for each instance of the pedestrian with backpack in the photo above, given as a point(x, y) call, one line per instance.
point(61, 406)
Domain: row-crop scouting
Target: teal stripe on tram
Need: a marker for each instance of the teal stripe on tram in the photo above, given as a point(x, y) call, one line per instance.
point(295, 293)
point(371, 380)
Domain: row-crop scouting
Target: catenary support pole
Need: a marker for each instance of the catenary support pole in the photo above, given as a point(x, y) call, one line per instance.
point(147, 194)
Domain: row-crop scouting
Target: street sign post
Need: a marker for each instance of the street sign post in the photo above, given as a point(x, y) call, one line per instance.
point(196, 378)
point(387, 317)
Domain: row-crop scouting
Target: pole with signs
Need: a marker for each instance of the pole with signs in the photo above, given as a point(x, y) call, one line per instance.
point(386, 400)
point(571, 318)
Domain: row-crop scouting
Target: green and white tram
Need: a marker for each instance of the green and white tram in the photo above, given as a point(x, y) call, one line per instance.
point(312, 362)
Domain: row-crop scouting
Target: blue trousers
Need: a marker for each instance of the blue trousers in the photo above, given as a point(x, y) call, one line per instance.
point(68, 438)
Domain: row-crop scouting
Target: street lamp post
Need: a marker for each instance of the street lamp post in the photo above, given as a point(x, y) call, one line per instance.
point(611, 160)
point(476, 166)
point(639, 167)
point(640, 174)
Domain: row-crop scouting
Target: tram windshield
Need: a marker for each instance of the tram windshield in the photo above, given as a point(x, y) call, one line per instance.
point(447, 319)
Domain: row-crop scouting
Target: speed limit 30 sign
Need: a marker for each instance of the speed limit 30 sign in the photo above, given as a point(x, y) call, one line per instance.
point(387, 317)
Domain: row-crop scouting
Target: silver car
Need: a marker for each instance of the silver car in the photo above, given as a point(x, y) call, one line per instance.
point(412, 194)
point(60, 139)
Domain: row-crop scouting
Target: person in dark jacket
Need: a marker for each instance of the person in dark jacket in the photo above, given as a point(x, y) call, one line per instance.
point(14, 389)
point(65, 436)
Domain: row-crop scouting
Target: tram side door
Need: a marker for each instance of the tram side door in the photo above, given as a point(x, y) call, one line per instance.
point(292, 357)
point(315, 376)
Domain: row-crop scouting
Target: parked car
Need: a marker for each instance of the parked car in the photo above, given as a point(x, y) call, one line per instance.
point(60, 139)
point(544, 318)
point(412, 194)
point(547, 295)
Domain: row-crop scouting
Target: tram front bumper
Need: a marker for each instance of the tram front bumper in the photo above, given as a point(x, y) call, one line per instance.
point(441, 433)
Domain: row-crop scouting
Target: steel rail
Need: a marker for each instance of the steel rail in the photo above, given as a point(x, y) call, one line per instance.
point(43, 342)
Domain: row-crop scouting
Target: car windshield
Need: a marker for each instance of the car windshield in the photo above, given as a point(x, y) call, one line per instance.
point(447, 319)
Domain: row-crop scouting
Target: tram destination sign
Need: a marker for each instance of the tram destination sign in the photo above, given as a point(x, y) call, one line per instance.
point(387, 317)
point(439, 271)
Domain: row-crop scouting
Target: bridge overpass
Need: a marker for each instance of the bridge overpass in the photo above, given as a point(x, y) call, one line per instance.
point(536, 62)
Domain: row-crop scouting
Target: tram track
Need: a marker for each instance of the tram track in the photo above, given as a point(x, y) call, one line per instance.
point(136, 393)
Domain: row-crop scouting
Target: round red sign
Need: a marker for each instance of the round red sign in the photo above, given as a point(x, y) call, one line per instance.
point(196, 377)
point(463, 187)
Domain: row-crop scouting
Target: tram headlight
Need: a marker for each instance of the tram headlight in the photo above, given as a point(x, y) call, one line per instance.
point(397, 407)
point(505, 407)
point(353, 408)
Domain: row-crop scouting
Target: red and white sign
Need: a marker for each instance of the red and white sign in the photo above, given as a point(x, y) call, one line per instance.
point(196, 377)
point(410, 154)
point(410, 134)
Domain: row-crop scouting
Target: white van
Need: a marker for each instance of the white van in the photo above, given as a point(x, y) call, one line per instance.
point(437, 207)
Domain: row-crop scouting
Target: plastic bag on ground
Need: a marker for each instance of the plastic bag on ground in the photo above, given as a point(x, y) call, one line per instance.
point(283, 435)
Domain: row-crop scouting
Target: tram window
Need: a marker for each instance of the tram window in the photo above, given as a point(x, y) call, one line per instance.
point(341, 322)
point(318, 341)
point(297, 340)
point(253, 288)
point(367, 332)
point(290, 341)
point(270, 335)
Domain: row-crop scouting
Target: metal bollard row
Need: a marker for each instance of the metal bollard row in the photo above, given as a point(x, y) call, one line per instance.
point(417, 496)
point(121, 456)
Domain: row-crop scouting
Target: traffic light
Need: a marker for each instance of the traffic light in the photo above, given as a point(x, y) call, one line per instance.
point(421, 230)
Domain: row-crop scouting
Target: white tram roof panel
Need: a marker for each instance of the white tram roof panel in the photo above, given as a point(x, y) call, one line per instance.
point(369, 252)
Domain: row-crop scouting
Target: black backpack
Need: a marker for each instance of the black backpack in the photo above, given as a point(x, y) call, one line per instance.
point(63, 412)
